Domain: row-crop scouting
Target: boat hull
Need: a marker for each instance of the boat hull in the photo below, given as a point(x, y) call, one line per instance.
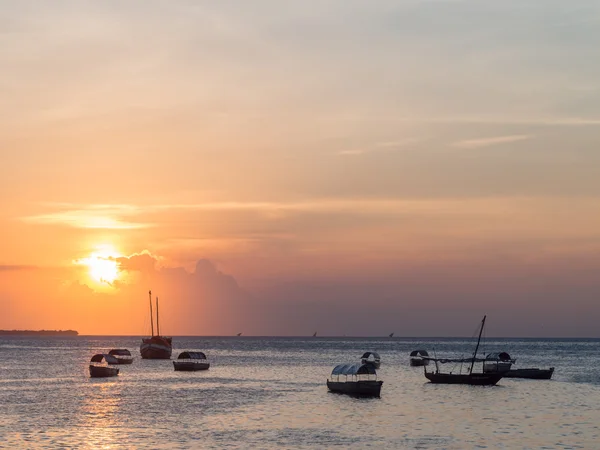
point(186, 366)
point(474, 379)
point(125, 361)
point(103, 372)
point(368, 388)
point(376, 364)
point(416, 362)
point(532, 374)
point(156, 347)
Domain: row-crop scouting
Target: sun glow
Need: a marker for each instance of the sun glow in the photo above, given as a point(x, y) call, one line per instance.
point(102, 264)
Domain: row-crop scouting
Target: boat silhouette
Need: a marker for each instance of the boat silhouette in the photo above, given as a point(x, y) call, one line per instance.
point(156, 346)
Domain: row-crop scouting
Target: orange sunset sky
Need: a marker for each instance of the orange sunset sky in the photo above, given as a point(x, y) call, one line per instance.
point(280, 168)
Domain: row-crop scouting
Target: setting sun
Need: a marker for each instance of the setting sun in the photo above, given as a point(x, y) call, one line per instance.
point(102, 269)
point(102, 264)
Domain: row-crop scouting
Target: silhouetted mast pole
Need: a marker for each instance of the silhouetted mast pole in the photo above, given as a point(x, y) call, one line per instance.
point(157, 326)
point(477, 347)
point(151, 316)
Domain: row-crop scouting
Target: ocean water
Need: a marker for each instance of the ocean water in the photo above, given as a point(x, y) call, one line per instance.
point(270, 393)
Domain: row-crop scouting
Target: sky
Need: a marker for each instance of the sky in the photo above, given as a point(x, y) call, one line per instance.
point(283, 168)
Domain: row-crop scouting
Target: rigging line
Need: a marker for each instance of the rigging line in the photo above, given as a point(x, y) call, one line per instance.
point(484, 342)
point(464, 354)
point(145, 325)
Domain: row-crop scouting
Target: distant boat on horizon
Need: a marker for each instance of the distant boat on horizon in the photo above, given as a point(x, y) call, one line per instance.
point(391, 335)
point(156, 346)
point(315, 334)
point(239, 334)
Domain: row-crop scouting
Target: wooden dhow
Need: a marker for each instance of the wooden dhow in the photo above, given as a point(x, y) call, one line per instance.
point(483, 378)
point(156, 346)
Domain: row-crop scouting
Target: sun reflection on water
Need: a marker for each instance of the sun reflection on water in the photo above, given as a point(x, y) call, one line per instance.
point(99, 414)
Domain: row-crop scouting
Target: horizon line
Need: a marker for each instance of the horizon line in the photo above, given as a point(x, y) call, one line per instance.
point(310, 336)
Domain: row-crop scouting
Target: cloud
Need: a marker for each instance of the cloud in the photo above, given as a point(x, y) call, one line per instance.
point(98, 216)
point(124, 216)
point(490, 141)
point(12, 267)
point(480, 119)
point(386, 146)
point(211, 301)
point(138, 262)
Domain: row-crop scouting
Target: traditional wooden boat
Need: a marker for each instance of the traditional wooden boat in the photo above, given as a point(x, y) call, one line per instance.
point(362, 382)
point(100, 366)
point(532, 374)
point(474, 379)
point(122, 355)
point(371, 358)
point(482, 378)
point(416, 358)
point(191, 362)
point(156, 346)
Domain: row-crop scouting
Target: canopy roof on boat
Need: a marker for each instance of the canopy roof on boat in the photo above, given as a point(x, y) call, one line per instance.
point(354, 369)
point(419, 353)
point(502, 356)
point(106, 357)
point(191, 355)
point(454, 360)
point(490, 357)
point(375, 356)
point(120, 352)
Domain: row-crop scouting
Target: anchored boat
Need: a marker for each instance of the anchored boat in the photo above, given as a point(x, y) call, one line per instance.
point(156, 346)
point(483, 378)
point(416, 358)
point(101, 366)
point(357, 379)
point(532, 374)
point(191, 362)
point(371, 358)
point(122, 355)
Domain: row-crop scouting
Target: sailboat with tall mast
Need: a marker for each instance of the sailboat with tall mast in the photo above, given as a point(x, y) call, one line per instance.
point(156, 346)
point(483, 378)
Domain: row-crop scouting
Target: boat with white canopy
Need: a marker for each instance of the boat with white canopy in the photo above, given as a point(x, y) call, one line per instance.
point(122, 355)
point(416, 358)
point(355, 379)
point(191, 362)
point(371, 358)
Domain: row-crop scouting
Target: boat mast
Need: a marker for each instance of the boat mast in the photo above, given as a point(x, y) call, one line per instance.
point(157, 328)
point(151, 316)
point(477, 347)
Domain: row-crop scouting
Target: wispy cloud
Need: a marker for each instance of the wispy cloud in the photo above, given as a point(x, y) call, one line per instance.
point(351, 152)
point(489, 141)
point(122, 216)
point(480, 119)
point(98, 216)
point(13, 267)
point(386, 146)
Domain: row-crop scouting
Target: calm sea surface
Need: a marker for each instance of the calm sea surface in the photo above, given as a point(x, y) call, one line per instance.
point(270, 393)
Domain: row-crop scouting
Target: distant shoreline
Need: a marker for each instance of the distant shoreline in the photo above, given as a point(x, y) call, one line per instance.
point(38, 333)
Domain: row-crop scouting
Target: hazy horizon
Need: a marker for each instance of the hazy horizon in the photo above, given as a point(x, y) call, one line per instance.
point(321, 337)
point(404, 166)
